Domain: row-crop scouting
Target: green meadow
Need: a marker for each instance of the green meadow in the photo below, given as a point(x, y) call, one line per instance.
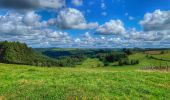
point(87, 81)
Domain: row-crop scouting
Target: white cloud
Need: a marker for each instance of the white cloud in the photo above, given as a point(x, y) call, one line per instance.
point(144, 36)
point(158, 20)
point(111, 28)
point(77, 2)
point(72, 19)
point(29, 4)
point(77, 40)
point(104, 13)
point(126, 14)
point(31, 19)
point(131, 18)
point(156, 27)
point(88, 38)
point(103, 5)
point(16, 23)
point(52, 3)
point(29, 28)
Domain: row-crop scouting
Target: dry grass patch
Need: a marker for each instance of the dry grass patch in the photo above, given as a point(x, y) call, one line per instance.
point(153, 52)
point(23, 81)
point(2, 98)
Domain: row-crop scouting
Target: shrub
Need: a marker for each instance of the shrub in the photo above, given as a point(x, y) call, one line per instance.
point(134, 62)
point(124, 62)
point(127, 51)
point(127, 62)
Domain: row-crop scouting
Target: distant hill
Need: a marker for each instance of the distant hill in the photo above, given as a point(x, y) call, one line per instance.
point(20, 53)
point(60, 52)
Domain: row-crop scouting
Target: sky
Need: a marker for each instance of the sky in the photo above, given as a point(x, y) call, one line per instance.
point(86, 23)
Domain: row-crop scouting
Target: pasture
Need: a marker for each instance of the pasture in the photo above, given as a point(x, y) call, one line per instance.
point(88, 81)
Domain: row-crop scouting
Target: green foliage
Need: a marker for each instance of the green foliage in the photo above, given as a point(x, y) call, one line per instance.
point(111, 57)
point(127, 51)
point(19, 53)
point(108, 58)
point(124, 62)
point(15, 52)
point(134, 62)
point(128, 62)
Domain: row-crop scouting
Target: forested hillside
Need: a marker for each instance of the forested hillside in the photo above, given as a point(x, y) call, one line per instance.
point(15, 52)
point(20, 53)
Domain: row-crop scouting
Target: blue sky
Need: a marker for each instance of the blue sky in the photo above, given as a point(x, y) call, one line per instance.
point(86, 23)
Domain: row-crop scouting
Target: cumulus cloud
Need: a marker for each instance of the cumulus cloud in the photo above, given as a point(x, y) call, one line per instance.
point(47, 38)
point(112, 27)
point(29, 4)
point(72, 19)
point(16, 23)
point(77, 40)
point(129, 17)
point(156, 21)
point(77, 2)
point(88, 38)
point(144, 36)
point(156, 27)
point(29, 28)
point(31, 19)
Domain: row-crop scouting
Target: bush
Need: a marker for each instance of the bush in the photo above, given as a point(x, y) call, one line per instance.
point(106, 63)
point(127, 51)
point(124, 62)
point(111, 57)
point(134, 62)
point(127, 62)
point(162, 52)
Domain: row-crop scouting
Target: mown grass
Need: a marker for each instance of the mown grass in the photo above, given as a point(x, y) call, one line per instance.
point(150, 63)
point(33, 83)
point(165, 56)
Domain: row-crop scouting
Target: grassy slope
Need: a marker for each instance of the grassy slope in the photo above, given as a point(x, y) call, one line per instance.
point(165, 56)
point(151, 62)
point(86, 81)
point(25, 82)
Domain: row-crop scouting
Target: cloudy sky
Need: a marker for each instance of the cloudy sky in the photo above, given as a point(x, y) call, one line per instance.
point(86, 23)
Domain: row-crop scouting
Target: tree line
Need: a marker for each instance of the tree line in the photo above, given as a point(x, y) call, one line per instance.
point(120, 57)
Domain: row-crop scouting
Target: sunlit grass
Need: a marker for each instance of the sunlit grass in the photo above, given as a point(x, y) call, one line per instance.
point(27, 82)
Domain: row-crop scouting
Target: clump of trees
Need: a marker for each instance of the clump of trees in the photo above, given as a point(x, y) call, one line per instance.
point(111, 57)
point(71, 61)
point(20, 53)
point(127, 62)
point(121, 58)
point(128, 51)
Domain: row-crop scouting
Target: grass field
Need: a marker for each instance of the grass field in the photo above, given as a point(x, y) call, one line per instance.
point(89, 81)
point(146, 62)
point(26, 82)
point(165, 56)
